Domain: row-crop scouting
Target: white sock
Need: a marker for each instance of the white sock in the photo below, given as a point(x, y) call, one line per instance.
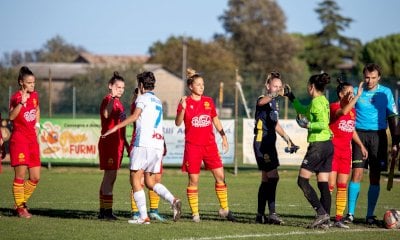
point(163, 192)
point(140, 199)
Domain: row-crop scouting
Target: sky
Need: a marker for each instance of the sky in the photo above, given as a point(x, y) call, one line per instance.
point(130, 27)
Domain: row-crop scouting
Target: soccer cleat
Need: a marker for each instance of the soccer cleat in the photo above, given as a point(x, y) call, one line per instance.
point(196, 218)
point(319, 220)
point(340, 224)
point(177, 208)
point(273, 218)
point(349, 218)
point(22, 212)
point(139, 221)
point(371, 220)
point(109, 215)
point(227, 214)
point(260, 218)
point(154, 215)
point(135, 215)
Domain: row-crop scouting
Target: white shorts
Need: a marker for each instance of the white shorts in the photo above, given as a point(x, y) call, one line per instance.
point(147, 159)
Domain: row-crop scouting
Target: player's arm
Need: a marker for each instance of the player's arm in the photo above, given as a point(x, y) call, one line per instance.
point(351, 101)
point(292, 148)
point(181, 111)
point(218, 126)
point(132, 118)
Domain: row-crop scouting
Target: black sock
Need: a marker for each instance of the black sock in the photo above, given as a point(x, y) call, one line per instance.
point(262, 198)
point(271, 193)
point(310, 195)
point(325, 196)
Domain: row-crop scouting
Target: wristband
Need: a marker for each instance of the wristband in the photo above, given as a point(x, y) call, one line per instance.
point(37, 125)
point(222, 132)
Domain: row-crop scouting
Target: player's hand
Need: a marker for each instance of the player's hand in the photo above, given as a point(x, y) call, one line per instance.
point(364, 152)
point(112, 130)
point(25, 95)
point(291, 148)
point(394, 152)
point(302, 121)
point(183, 102)
point(225, 146)
point(287, 92)
point(360, 88)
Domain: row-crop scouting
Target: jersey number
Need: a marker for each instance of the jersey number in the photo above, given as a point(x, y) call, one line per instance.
point(158, 120)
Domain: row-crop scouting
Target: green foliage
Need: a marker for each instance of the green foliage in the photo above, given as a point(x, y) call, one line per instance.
point(65, 206)
point(384, 51)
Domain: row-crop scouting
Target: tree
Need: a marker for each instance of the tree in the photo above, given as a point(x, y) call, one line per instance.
point(385, 52)
point(58, 50)
point(328, 48)
point(212, 59)
point(257, 31)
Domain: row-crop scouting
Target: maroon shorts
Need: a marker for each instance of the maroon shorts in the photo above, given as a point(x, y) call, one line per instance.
point(110, 154)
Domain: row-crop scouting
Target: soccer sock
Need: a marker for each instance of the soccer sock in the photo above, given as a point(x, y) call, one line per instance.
point(325, 196)
point(354, 190)
point(262, 198)
point(373, 195)
point(134, 208)
point(193, 198)
point(29, 188)
point(222, 194)
point(271, 193)
point(310, 195)
point(101, 200)
point(108, 201)
point(140, 198)
point(154, 200)
point(163, 192)
point(18, 192)
point(341, 199)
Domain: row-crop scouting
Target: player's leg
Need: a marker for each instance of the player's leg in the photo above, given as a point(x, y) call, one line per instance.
point(18, 191)
point(106, 195)
point(139, 196)
point(154, 200)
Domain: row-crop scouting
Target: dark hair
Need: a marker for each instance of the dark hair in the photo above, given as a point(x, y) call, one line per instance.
point(115, 77)
point(370, 67)
point(341, 85)
point(272, 75)
point(147, 79)
point(191, 75)
point(320, 81)
point(23, 72)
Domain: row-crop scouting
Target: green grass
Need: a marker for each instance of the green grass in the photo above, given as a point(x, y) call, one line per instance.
point(65, 206)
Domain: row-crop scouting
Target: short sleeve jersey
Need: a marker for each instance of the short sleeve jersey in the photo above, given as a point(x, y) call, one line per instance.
point(374, 107)
point(116, 116)
point(24, 123)
point(342, 127)
point(149, 126)
point(266, 118)
point(198, 119)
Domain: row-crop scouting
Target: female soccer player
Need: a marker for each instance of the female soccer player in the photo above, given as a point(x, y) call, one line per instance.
point(24, 147)
point(146, 156)
point(111, 149)
point(342, 124)
point(199, 115)
point(318, 158)
point(264, 145)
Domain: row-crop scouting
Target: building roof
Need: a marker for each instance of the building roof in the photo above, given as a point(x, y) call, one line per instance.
point(110, 60)
point(57, 70)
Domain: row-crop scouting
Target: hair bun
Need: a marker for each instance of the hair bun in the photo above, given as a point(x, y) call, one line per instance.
point(190, 72)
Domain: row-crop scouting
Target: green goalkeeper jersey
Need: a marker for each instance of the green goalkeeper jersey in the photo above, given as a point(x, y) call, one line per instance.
point(318, 115)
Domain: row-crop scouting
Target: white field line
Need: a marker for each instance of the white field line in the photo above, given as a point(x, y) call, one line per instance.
point(269, 235)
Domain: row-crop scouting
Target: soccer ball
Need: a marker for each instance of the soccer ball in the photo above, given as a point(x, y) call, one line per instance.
point(391, 219)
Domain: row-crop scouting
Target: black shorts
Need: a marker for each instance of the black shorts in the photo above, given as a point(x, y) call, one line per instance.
point(266, 154)
point(376, 144)
point(318, 157)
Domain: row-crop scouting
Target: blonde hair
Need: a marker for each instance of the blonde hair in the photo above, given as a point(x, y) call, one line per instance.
point(191, 75)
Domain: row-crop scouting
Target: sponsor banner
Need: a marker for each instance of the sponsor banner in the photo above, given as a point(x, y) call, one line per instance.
point(76, 141)
point(296, 133)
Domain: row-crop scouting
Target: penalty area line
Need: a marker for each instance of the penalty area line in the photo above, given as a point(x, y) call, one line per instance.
point(267, 235)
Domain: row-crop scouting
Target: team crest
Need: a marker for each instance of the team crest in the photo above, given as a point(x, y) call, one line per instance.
point(110, 161)
point(34, 102)
point(206, 105)
point(21, 157)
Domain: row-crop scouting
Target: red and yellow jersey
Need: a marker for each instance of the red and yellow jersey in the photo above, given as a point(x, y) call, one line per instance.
point(116, 116)
point(342, 127)
point(198, 119)
point(24, 123)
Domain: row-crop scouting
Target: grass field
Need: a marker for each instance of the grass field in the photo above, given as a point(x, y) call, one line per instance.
point(65, 206)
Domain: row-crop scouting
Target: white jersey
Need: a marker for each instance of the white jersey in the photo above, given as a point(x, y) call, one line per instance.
point(149, 126)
